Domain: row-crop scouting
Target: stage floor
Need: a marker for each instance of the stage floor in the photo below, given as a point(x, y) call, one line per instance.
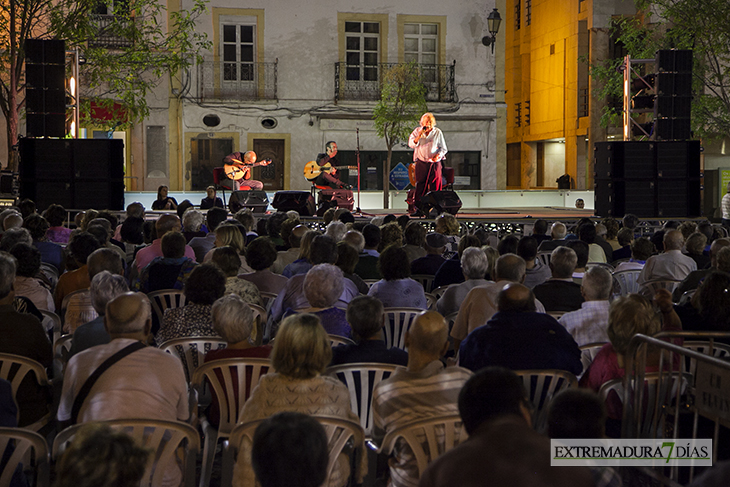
point(548, 213)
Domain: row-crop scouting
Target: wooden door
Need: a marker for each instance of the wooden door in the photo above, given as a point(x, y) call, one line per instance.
point(272, 175)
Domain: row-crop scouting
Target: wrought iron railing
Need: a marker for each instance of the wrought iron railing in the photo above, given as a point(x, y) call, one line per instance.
point(223, 80)
point(111, 32)
point(364, 82)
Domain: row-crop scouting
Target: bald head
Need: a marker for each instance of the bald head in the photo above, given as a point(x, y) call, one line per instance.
point(295, 238)
point(167, 223)
point(673, 240)
point(510, 267)
point(516, 297)
point(128, 313)
point(427, 334)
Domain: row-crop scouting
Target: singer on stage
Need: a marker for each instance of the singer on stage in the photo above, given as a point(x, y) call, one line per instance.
point(429, 149)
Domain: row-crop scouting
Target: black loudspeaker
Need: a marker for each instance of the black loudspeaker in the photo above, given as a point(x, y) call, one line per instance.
point(680, 159)
point(255, 199)
point(300, 201)
point(75, 173)
point(45, 92)
point(441, 201)
point(616, 160)
point(334, 198)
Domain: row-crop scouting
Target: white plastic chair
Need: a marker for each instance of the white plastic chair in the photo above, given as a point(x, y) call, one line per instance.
point(27, 445)
point(163, 437)
point(541, 386)
point(52, 322)
point(624, 282)
point(397, 322)
point(340, 340)
point(425, 280)
point(430, 301)
point(649, 288)
point(232, 380)
point(544, 257)
point(439, 291)
point(191, 351)
point(427, 438)
point(340, 433)
point(588, 352)
point(361, 379)
point(165, 299)
point(23, 366)
point(259, 321)
point(61, 352)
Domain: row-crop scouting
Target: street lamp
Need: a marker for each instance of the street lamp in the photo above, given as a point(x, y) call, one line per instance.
point(493, 22)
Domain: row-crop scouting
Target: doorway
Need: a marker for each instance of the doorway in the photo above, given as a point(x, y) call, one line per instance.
point(272, 175)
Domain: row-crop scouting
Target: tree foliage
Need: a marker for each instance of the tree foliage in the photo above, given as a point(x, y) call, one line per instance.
point(154, 45)
point(699, 25)
point(402, 102)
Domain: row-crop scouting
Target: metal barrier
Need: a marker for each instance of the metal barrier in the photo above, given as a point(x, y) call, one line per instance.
point(673, 394)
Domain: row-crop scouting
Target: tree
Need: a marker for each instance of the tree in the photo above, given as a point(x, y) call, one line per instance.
point(123, 72)
point(402, 101)
point(699, 25)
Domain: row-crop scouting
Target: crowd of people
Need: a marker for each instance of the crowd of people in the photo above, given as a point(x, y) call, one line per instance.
point(490, 305)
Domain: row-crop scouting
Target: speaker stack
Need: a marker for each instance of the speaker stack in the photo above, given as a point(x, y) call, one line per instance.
point(651, 179)
point(255, 199)
point(45, 90)
point(75, 173)
point(300, 201)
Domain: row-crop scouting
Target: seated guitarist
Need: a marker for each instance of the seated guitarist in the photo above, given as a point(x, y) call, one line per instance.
point(331, 179)
point(244, 164)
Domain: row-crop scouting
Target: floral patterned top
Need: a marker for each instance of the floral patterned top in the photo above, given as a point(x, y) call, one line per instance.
point(192, 320)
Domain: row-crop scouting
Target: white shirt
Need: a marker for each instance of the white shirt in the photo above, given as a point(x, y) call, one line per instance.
point(587, 324)
point(427, 146)
point(726, 206)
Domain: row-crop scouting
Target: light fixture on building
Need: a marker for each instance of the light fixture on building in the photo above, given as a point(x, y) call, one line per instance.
point(493, 22)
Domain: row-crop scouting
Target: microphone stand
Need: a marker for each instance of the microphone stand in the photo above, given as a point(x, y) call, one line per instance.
point(357, 153)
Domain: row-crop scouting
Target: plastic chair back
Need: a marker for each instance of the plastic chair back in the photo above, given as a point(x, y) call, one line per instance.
point(542, 386)
point(340, 340)
point(24, 445)
point(425, 280)
point(191, 351)
point(397, 322)
point(624, 282)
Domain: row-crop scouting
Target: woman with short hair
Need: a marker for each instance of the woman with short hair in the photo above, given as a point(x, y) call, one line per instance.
point(397, 289)
point(300, 356)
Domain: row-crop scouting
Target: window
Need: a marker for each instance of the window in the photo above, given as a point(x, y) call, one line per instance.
point(518, 13)
point(239, 58)
point(528, 12)
point(362, 41)
point(420, 44)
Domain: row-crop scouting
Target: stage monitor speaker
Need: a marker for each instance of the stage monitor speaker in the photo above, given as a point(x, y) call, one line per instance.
point(300, 201)
point(334, 198)
point(616, 198)
point(255, 199)
point(441, 201)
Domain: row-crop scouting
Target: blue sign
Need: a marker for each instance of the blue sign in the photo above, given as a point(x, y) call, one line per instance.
point(399, 177)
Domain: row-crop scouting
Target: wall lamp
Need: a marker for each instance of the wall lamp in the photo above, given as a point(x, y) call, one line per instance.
point(493, 22)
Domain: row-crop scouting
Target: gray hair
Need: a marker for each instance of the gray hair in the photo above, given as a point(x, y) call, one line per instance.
point(558, 230)
point(106, 286)
point(293, 214)
point(563, 261)
point(673, 240)
point(355, 239)
point(192, 220)
point(597, 284)
point(7, 273)
point(336, 230)
point(13, 220)
point(510, 267)
point(474, 263)
point(15, 236)
point(323, 285)
point(232, 318)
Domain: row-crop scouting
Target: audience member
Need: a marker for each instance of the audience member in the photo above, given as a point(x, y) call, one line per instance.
point(261, 255)
point(227, 260)
point(290, 450)
point(99, 456)
point(323, 285)
point(202, 245)
point(415, 237)
point(367, 264)
point(671, 264)
point(535, 271)
point(51, 253)
point(169, 271)
point(347, 259)
point(694, 278)
point(474, 266)
point(641, 249)
point(422, 390)
point(286, 257)
point(581, 252)
point(204, 285)
point(300, 356)
point(481, 302)
point(166, 223)
point(390, 234)
point(587, 234)
point(612, 229)
point(508, 244)
point(588, 324)
point(558, 231)
point(433, 260)
point(365, 316)
point(695, 247)
point(560, 292)
point(519, 338)
point(105, 286)
point(304, 262)
point(397, 289)
point(447, 224)
point(80, 248)
point(624, 238)
point(164, 202)
point(450, 271)
point(56, 217)
point(23, 335)
point(192, 222)
point(211, 199)
point(28, 261)
point(495, 410)
point(539, 230)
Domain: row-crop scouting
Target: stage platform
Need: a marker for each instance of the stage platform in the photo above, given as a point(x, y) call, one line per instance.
point(476, 205)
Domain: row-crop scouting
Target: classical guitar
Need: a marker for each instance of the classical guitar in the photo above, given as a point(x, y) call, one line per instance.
point(240, 169)
point(312, 170)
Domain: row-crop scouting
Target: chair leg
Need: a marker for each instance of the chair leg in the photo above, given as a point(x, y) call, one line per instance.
point(209, 447)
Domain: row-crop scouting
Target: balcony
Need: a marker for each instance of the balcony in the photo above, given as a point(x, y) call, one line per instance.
point(222, 80)
point(364, 82)
point(111, 32)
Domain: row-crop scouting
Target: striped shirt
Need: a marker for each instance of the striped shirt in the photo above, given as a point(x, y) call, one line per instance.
point(409, 396)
